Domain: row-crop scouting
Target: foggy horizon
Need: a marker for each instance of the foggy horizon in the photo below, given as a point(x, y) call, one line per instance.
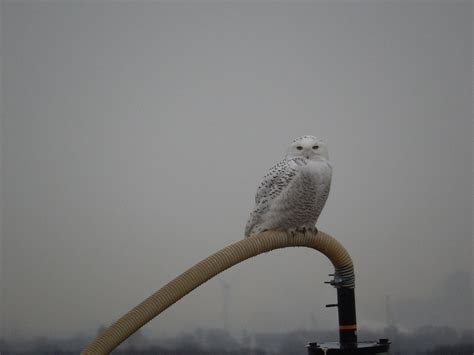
point(134, 136)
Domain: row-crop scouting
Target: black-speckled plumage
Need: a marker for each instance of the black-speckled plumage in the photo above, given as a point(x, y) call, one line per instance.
point(293, 193)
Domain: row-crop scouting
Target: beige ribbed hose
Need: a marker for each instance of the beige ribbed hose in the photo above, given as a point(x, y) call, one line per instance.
point(210, 267)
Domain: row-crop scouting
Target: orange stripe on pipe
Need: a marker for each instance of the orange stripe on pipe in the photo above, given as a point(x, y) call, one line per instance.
point(348, 327)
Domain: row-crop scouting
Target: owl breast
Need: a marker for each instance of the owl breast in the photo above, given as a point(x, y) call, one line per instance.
point(301, 202)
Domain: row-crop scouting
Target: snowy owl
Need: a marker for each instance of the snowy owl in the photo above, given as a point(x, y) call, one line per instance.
point(294, 191)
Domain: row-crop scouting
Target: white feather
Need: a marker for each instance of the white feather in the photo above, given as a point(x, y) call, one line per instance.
point(293, 193)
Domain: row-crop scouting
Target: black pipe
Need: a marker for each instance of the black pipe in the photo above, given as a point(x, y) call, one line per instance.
point(347, 316)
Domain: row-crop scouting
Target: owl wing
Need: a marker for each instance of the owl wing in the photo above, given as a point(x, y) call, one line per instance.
point(273, 183)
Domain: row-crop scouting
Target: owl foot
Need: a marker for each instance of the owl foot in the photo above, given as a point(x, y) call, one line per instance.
point(312, 229)
point(293, 231)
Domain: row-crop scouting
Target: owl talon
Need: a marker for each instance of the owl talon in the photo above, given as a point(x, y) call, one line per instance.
point(294, 231)
point(291, 232)
point(306, 230)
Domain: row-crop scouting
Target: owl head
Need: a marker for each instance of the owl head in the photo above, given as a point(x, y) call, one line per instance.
point(308, 147)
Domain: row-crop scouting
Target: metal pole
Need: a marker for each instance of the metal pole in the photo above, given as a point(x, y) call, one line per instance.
point(347, 316)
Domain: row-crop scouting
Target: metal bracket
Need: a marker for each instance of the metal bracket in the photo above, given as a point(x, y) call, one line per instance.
point(337, 281)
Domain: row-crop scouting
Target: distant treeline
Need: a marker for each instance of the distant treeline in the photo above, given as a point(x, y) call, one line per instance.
point(428, 340)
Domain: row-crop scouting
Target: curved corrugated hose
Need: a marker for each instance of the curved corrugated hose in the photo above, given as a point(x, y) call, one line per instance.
point(213, 265)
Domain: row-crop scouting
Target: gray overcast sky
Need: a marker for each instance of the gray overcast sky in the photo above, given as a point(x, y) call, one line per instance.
point(134, 136)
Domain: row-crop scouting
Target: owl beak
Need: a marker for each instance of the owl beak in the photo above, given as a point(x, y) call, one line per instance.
point(307, 157)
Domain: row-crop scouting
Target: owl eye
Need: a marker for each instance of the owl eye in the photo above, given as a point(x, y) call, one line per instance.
point(299, 147)
point(315, 146)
